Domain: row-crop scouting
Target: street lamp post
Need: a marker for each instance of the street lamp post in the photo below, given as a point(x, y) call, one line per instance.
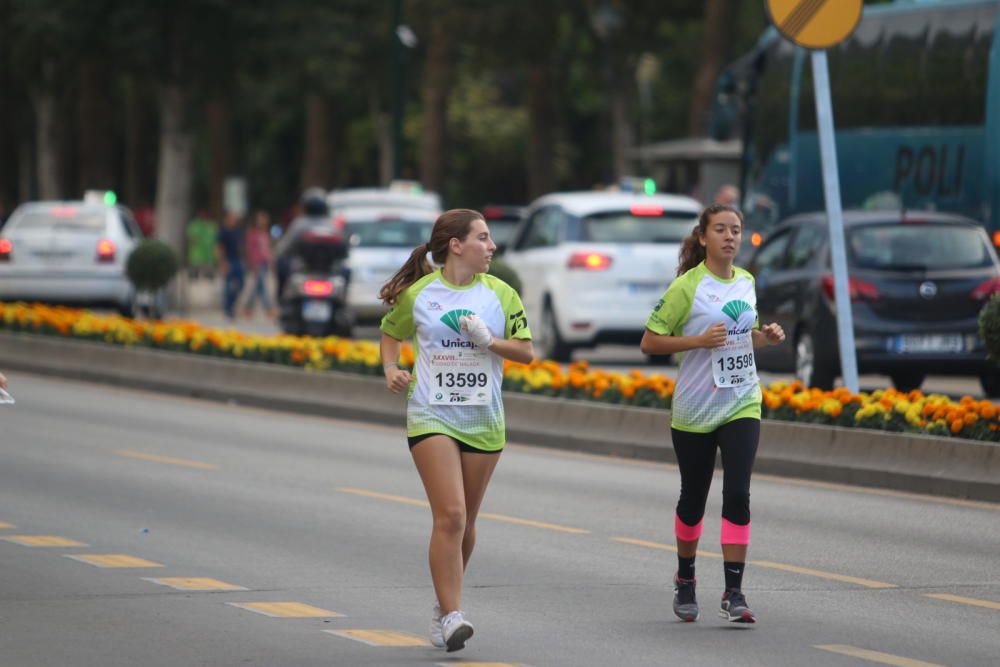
point(401, 36)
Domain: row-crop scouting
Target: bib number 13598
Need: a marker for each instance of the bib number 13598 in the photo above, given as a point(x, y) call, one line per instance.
point(733, 364)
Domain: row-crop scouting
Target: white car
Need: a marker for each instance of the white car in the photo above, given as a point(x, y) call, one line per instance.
point(350, 198)
point(593, 264)
point(381, 238)
point(68, 252)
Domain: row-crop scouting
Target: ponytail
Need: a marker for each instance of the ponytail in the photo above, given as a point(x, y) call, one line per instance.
point(692, 251)
point(414, 268)
point(453, 224)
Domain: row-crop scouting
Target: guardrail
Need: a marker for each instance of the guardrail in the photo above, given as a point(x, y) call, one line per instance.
point(917, 463)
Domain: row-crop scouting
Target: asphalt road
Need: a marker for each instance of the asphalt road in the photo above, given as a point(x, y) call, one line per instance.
point(572, 568)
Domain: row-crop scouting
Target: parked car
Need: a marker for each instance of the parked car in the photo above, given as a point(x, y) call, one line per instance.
point(68, 252)
point(381, 238)
point(917, 282)
point(593, 264)
point(394, 196)
point(503, 222)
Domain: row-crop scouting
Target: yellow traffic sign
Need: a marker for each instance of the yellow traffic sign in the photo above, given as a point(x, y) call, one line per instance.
point(815, 24)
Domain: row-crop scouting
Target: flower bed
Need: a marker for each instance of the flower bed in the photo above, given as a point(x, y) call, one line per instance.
point(887, 410)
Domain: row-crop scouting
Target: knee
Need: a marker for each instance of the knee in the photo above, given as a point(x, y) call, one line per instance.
point(736, 507)
point(450, 520)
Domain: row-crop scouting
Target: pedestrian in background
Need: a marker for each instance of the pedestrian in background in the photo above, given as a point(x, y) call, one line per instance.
point(202, 233)
point(229, 249)
point(728, 195)
point(259, 264)
point(465, 323)
point(709, 313)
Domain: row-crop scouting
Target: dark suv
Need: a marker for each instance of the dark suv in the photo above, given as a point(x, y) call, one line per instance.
point(917, 282)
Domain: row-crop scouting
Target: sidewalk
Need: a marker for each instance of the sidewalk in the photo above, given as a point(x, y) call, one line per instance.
point(204, 305)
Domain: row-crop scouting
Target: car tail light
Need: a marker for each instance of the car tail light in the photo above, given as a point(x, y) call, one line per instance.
point(756, 239)
point(64, 212)
point(857, 290)
point(983, 291)
point(6, 248)
point(996, 238)
point(492, 212)
point(591, 261)
point(646, 209)
point(106, 250)
point(317, 287)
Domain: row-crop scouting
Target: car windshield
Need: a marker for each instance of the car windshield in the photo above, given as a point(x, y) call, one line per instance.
point(924, 246)
point(389, 233)
point(62, 218)
point(502, 230)
point(626, 227)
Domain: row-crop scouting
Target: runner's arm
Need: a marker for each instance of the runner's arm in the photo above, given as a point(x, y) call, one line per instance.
point(769, 334)
point(654, 343)
point(515, 349)
point(396, 379)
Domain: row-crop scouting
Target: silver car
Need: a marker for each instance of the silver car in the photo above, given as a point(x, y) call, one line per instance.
point(69, 253)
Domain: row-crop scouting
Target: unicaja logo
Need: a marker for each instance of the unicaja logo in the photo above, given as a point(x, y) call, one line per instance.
point(733, 309)
point(452, 319)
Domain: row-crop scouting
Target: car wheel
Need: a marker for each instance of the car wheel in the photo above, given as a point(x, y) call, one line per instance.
point(659, 359)
point(549, 343)
point(809, 370)
point(991, 384)
point(907, 380)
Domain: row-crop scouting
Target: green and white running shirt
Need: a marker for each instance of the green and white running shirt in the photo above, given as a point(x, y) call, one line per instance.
point(455, 388)
point(695, 301)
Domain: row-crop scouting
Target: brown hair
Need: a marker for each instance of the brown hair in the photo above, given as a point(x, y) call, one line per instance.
point(692, 251)
point(453, 224)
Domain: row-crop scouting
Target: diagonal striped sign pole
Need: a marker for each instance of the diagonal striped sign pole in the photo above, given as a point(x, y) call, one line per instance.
point(818, 25)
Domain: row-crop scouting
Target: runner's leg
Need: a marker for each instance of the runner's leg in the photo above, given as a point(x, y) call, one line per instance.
point(696, 461)
point(477, 469)
point(440, 467)
point(738, 445)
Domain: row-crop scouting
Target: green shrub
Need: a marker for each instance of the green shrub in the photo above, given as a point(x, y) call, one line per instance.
point(506, 273)
point(151, 265)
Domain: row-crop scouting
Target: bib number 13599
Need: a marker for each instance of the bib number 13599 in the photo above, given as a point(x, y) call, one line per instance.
point(462, 380)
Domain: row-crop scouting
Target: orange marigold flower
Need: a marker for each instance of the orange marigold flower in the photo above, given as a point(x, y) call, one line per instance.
point(956, 425)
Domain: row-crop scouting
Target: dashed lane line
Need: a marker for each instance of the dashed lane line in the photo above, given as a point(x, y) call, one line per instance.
point(113, 560)
point(975, 602)
point(483, 515)
point(44, 541)
point(867, 583)
point(875, 656)
point(194, 584)
point(156, 458)
point(285, 609)
point(381, 638)
point(4, 524)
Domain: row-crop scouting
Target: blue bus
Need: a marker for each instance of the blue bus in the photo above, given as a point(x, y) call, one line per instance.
point(916, 103)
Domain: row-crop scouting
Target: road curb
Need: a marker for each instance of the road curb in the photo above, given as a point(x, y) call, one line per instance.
point(917, 463)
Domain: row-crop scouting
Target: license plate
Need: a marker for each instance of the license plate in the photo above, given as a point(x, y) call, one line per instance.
point(644, 287)
point(929, 343)
point(316, 311)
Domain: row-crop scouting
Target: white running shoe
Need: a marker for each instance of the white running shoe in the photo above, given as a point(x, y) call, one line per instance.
point(456, 631)
point(437, 633)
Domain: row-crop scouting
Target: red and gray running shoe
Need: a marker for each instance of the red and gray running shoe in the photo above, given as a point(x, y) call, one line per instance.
point(734, 607)
point(685, 602)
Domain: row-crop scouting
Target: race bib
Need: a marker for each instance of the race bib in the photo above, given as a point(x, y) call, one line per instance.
point(461, 377)
point(733, 364)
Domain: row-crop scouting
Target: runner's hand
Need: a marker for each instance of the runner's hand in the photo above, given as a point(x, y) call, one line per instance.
point(477, 330)
point(396, 379)
point(3, 381)
point(714, 336)
point(773, 333)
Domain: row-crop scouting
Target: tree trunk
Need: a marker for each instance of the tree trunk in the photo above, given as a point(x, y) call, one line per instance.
point(25, 152)
point(318, 162)
point(541, 124)
point(383, 137)
point(714, 55)
point(47, 146)
point(437, 89)
point(173, 186)
point(219, 117)
point(95, 135)
point(133, 192)
point(621, 129)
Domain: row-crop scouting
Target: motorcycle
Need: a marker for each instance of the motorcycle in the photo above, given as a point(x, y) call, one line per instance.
point(313, 301)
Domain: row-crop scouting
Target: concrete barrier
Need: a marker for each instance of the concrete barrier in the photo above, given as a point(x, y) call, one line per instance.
point(917, 463)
